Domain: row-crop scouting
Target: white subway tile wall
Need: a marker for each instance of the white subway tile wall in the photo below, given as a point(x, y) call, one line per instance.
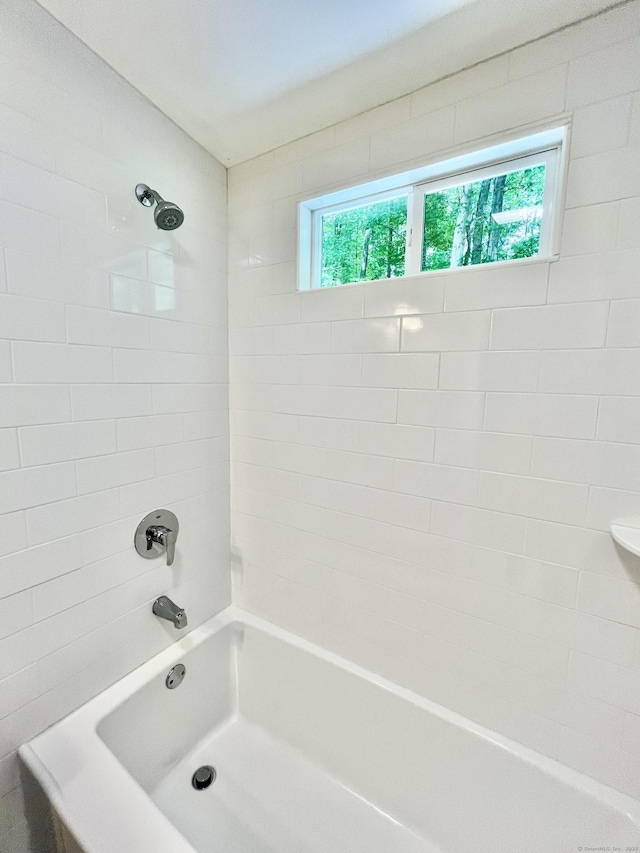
point(113, 382)
point(424, 470)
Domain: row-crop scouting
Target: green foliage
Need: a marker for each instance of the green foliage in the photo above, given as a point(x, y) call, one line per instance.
point(459, 228)
point(369, 242)
point(364, 243)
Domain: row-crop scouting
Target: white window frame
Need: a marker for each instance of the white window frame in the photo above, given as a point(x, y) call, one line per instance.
point(415, 228)
point(548, 147)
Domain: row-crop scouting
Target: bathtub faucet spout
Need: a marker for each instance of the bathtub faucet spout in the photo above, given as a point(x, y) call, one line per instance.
point(166, 609)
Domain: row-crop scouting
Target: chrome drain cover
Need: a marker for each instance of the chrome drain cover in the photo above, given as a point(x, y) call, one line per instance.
point(203, 777)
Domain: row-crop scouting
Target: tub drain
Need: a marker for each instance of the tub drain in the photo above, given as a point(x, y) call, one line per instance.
point(203, 777)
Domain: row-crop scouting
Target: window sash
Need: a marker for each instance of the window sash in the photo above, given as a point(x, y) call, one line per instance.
point(415, 228)
point(415, 208)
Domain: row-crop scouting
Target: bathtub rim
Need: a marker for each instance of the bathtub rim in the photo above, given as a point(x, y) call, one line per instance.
point(76, 806)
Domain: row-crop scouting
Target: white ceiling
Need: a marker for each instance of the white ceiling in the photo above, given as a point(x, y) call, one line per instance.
point(244, 76)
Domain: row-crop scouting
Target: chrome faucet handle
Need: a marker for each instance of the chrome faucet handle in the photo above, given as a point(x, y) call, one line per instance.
point(157, 532)
point(163, 536)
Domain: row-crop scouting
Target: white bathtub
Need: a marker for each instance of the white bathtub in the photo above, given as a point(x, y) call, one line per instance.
point(312, 754)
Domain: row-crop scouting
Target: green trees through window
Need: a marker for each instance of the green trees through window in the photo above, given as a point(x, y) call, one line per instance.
point(364, 243)
point(497, 219)
point(494, 219)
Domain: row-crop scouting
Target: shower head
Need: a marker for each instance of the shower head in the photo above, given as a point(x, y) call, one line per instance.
point(167, 215)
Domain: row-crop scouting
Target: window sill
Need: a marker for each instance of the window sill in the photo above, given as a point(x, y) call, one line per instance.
point(521, 262)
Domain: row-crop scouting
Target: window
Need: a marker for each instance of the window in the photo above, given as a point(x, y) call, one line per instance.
point(492, 206)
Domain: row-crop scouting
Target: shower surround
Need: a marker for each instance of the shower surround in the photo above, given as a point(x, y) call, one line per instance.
point(424, 470)
point(436, 514)
point(113, 382)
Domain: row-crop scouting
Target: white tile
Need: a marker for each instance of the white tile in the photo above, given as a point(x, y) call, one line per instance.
point(542, 53)
point(509, 454)
point(569, 546)
point(602, 638)
point(485, 75)
point(593, 462)
point(401, 370)
point(16, 612)
point(63, 592)
point(40, 445)
point(30, 487)
point(106, 328)
point(309, 338)
point(31, 319)
point(9, 449)
point(606, 275)
point(545, 499)
point(25, 138)
point(391, 298)
point(173, 336)
point(624, 318)
point(259, 340)
point(604, 177)
point(29, 231)
point(106, 252)
point(36, 362)
point(17, 691)
point(472, 288)
point(604, 74)
point(535, 578)
point(332, 303)
point(336, 165)
point(413, 139)
point(65, 518)
point(143, 297)
point(364, 124)
point(478, 526)
point(374, 504)
point(465, 330)
point(457, 410)
point(605, 505)
point(397, 440)
point(304, 147)
point(6, 369)
point(92, 402)
point(441, 482)
point(603, 680)
point(530, 99)
point(269, 310)
point(634, 131)
point(489, 371)
point(118, 469)
point(629, 225)
point(377, 335)
point(139, 366)
point(36, 565)
point(375, 471)
point(33, 404)
point(550, 326)
point(601, 126)
point(13, 533)
point(598, 371)
point(325, 369)
point(28, 275)
point(542, 414)
point(149, 431)
point(590, 229)
point(619, 419)
point(41, 190)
